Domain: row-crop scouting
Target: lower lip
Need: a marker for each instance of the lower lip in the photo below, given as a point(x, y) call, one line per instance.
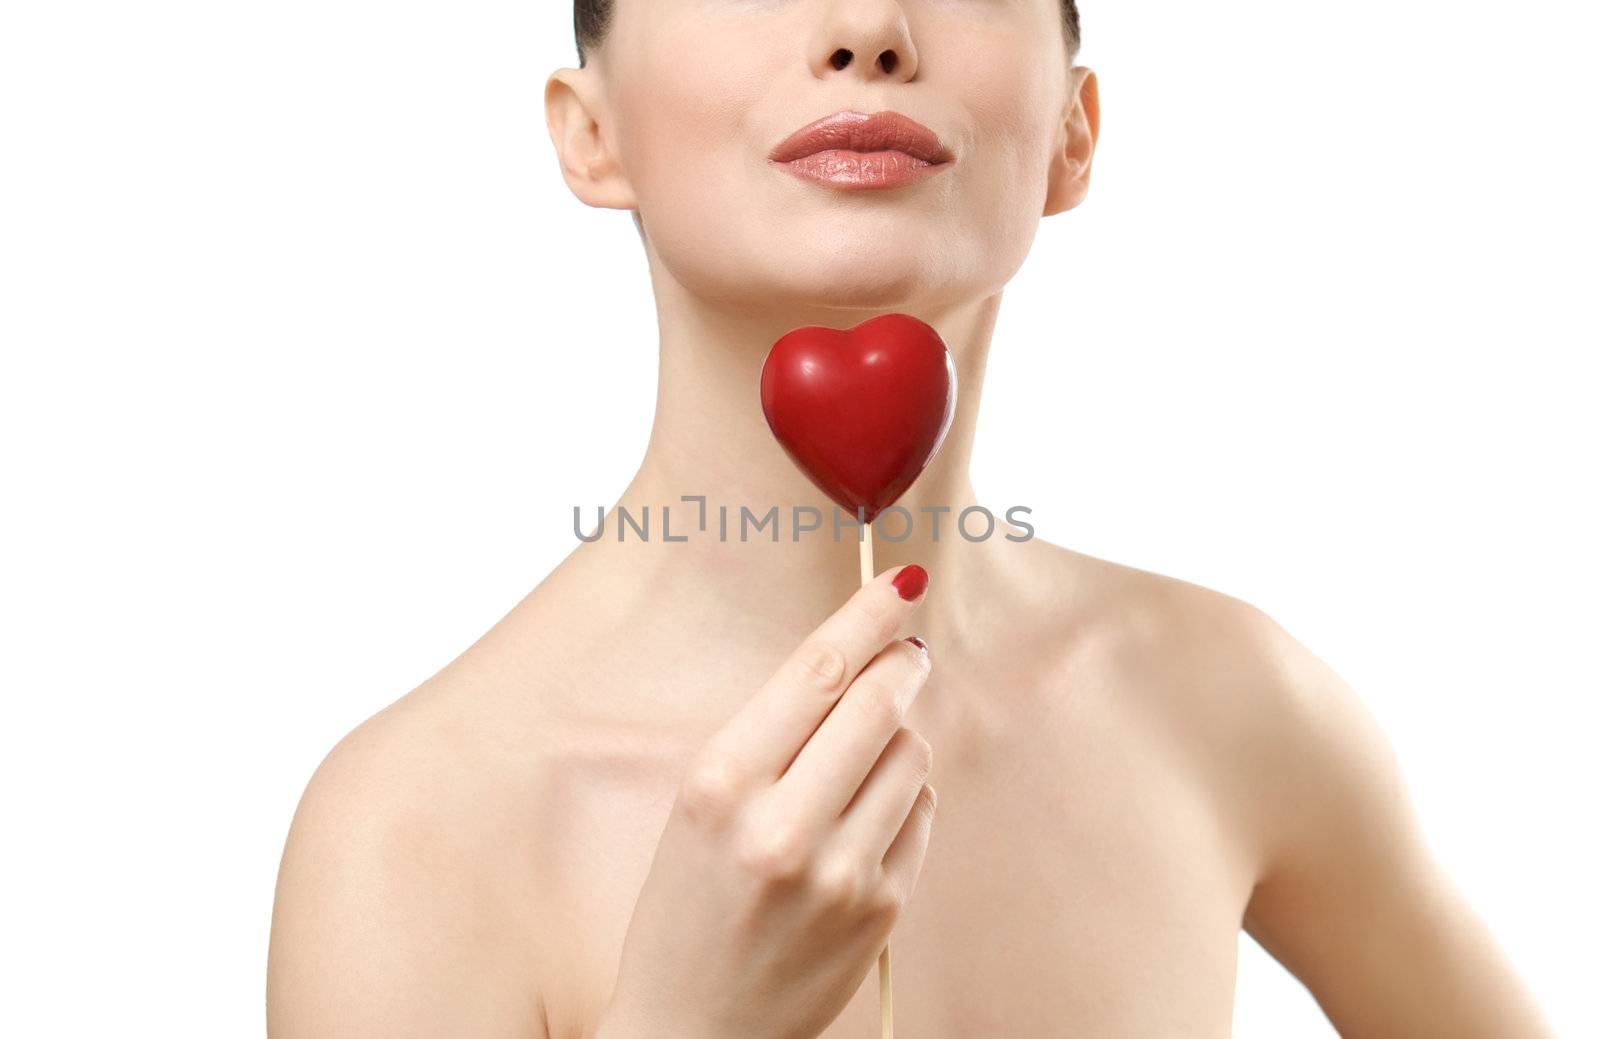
point(852, 170)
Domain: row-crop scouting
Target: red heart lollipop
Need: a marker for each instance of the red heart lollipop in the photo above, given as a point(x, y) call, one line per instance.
point(861, 410)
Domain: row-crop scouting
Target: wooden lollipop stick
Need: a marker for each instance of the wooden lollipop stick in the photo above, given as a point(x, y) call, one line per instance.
point(866, 555)
point(885, 992)
point(885, 989)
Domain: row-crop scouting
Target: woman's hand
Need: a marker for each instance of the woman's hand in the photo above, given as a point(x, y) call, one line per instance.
point(797, 836)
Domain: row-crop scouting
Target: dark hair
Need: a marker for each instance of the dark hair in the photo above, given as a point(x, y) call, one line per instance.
point(591, 20)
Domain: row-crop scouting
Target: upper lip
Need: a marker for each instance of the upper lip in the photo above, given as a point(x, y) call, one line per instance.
point(857, 131)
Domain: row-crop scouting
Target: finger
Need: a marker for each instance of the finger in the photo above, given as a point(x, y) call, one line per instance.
point(871, 822)
point(830, 768)
point(760, 741)
point(902, 864)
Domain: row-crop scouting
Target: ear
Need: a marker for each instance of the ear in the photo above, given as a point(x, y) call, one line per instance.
point(572, 109)
point(1069, 170)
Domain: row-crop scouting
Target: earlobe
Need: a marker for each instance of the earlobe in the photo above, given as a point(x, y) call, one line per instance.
point(1069, 170)
point(587, 162)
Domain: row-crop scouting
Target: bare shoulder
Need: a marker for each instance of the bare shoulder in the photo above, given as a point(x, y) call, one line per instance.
point(387, 918)
point(1347, 893)
point(1255, 714)
point(1208, 648)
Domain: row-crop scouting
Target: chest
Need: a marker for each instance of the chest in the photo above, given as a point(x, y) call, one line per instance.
point(1077, 881)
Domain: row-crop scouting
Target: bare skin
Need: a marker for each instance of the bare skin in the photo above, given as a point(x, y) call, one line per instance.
point(1129, 767)
point(1123, 779)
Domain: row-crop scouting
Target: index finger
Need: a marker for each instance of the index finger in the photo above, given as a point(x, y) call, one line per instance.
point(760, 741)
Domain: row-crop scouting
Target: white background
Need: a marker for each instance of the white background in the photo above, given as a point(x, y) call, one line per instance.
point(298, 321)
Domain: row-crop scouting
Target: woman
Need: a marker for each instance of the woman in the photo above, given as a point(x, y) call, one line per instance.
point(632, 808)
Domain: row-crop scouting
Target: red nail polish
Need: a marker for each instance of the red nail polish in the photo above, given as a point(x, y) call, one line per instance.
point(919, 644)
point(911, 582)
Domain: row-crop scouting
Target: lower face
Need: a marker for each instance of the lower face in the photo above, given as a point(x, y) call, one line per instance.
point(842, 229)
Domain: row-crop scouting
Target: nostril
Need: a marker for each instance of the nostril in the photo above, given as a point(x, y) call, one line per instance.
point(841, 58)
point(888, 61)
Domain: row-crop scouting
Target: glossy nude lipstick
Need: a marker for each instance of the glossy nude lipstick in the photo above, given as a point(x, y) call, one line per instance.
point(854, 150)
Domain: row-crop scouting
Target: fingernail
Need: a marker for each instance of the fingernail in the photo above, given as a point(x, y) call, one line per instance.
point(919, 644)
point(911, 582)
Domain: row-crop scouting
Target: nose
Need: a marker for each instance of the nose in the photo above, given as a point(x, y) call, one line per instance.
point(870, 38)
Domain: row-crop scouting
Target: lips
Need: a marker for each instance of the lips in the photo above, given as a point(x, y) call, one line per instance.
point(860, 132)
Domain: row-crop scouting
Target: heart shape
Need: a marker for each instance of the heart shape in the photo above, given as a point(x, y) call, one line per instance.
point(863, 410)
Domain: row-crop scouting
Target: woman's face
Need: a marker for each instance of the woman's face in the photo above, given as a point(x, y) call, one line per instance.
point(694, 94)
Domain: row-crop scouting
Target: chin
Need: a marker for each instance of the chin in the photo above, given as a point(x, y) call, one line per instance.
point(843, 285)
point(864, 262)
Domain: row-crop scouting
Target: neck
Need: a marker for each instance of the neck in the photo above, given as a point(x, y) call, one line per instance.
point(709, 439)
